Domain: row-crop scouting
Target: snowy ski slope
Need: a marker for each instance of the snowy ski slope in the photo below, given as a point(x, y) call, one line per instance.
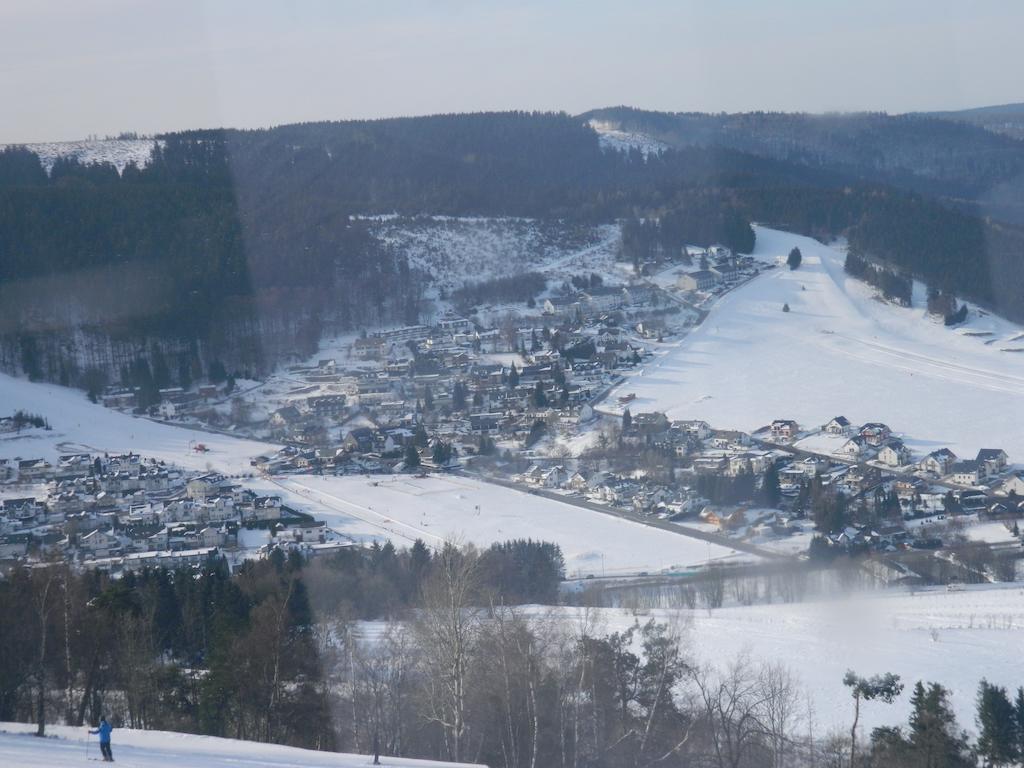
point(159, 749)
point(841, 351)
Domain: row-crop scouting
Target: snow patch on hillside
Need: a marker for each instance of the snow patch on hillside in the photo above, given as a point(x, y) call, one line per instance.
point(117, 152)
point(613, 138)
point(455, 251)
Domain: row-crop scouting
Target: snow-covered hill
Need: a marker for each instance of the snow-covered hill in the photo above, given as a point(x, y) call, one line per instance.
point(158, 749)
point(840, 350)
point(117, 152)
point(78, 425)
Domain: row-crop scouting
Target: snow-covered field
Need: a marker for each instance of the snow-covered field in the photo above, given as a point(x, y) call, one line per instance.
point(954, 638)
point(117, 152)
point(157, 749)
point(840, 351)
point(81, 426)
point(404, 508)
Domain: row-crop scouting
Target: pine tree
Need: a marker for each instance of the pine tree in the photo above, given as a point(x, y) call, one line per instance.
point(627, 420)
point(935, 737)
point(540, 398)
point(997, 727)
point(513, 377)
point(412, 457)
point(770, 493)
point(459, 396)
point(420, 437)
point(1018, 721)
point(794, 259)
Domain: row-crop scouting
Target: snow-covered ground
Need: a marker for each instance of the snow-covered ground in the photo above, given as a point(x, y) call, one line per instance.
point(81, 426)
point(454, 251)
point(435, 508)
point(954, 638)
point(839, 350)
point(157, 749)
point(117, 152)
point(613, 138)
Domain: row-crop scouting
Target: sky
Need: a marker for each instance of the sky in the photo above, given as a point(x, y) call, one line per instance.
point(74, 68)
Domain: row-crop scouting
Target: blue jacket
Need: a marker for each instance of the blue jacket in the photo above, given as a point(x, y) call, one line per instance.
point(104, 732)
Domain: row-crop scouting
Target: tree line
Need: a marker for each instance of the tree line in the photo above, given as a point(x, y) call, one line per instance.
point(454, 668)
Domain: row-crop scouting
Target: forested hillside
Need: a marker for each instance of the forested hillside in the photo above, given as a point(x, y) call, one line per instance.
point(940, 157)
point(236, 248)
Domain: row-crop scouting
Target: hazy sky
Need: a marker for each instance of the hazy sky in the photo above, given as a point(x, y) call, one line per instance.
point(70, 68)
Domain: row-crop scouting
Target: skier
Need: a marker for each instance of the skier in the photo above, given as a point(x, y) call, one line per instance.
point(104, 730)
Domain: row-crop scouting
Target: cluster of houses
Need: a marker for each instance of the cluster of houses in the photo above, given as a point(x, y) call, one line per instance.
point(719, 267)
point(451, 380)
point(874, 443)
point(908, 490)
point(123, 511)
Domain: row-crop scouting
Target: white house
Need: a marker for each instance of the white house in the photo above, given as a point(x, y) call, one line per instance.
point(992, 461)
point(938, 463)
point(967, 472)
point(894, 454)
point(853, 448)
point(701, 280)
point(101, 543)
point(840, 425)
point(1013, 484)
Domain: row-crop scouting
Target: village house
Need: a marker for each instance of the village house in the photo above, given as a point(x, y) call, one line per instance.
point(839, 426)
point(701, 280)
point(895, 454)
point(992, 461)
point(938, 463)
point(967, 472)
point(285, 416)
point(783, 430)
point(359, 440)
point(326, 405)
point(853, 448)
point(33, 470)
point(199, 488)
point(1013, 485)
point(875, 433)
point(697, 429)
point(101, 544)
point(370, 348)
point(725, 271)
